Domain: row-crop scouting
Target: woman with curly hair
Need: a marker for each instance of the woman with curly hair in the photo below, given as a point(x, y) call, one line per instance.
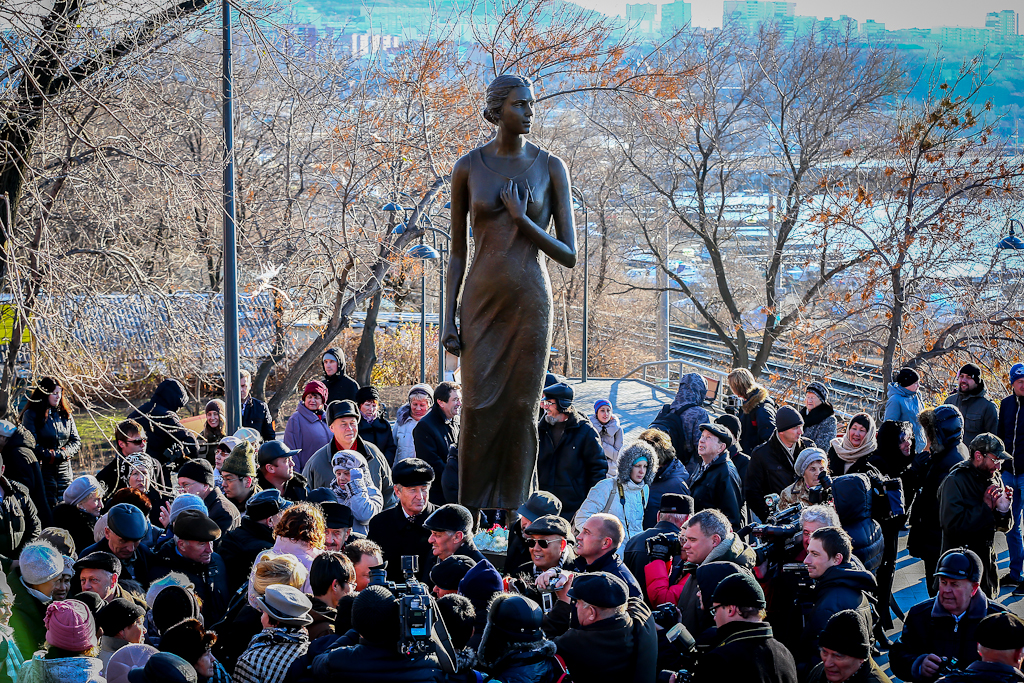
point(47, 416)
point(302, 532)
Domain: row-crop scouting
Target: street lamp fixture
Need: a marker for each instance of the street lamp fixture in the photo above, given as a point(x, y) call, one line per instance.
point(424, 253)
point(1011, 241)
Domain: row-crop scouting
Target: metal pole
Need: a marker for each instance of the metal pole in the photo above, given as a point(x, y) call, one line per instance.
point(423, 322)
point(586, 291)
point(231, 353)
point(440, 318)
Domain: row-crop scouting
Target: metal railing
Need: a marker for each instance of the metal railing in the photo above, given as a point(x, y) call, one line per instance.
point(716, 379)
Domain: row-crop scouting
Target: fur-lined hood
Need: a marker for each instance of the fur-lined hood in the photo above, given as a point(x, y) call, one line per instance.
point(626, 457)
point(755, 397)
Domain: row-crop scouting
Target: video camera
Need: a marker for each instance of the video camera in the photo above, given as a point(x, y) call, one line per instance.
point(415, 607)
point(732, 404)
point(822, 493)
point(686, 647)
point(775, 541)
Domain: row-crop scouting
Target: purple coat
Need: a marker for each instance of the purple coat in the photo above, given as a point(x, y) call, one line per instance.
point(306, 431)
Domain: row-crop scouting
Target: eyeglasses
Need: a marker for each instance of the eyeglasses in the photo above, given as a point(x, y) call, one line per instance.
point(137, 442)
point(715, 608)
point(547, 401)
point(530, 542)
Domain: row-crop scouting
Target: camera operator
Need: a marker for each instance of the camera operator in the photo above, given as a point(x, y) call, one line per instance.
point(974, 504)
point(845, 652)
point(943, 628)
point(377, 620)
point(673, 512)
point(614, 637)
point(716, 484)
point(1001, 648)
point(709, 538)
point(838, 585)
point(744, 648)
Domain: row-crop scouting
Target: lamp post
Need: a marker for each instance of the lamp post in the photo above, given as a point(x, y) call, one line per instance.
point(578, 198)
point(398, 230)
point(424, 253)
point(231, 373)
point(1011, 241)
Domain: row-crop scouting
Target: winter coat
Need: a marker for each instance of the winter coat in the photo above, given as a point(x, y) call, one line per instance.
point(27, 616)
point(319, 472)
point(609, 562)
point(240, 547)
point(795, 493)
point(138, 567)
point(379, 434)
point(361, 497)
point(308, 432)
point(366, 663)
point(22, 465)
point(869, 672)
point(929, 629)
point(621, 648)
point(570, 469)
point(843, 586)
point(719, 486)
point(619, 496)
point(78, 523)
point(611, 440)
point(968, 522)
point(159, 419)
point(757, 420)
point(270, 654)
point(989, 672)
point(925, 538)
point(221, 510)
point(904, 405)
point(672, 478)
point(19, 521)
point(837, 466)
point(62, 670)
point(397, 535)
point(732, 549)
point(1011, 428)
point(771, 470)
point(57, 443)
point(980, 413)
point(853, 501)
point(210, 580)
point(295, 489)
point(746, 652)
point(402, 431)
point(820, 425)
point(256, 415)
point(681, 418)
point(509, 661)
point(433, 436)
point(340, 387)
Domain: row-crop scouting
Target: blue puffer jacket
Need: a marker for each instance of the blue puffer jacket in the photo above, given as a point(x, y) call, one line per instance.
point(853, 503)
point(904, 405)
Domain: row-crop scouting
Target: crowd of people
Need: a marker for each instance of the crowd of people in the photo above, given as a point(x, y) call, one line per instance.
point(758, 545)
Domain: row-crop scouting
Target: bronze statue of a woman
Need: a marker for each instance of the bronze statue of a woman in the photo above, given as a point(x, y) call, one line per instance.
point(511, 190)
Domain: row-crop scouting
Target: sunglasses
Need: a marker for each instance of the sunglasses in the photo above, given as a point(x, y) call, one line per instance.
point(137, 442)
point(531, 542)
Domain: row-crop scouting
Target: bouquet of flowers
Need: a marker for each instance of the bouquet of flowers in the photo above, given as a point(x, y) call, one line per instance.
point(493, 540)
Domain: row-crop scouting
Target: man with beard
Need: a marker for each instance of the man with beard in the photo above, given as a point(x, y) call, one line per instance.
point(971, 397)
point(571, 459)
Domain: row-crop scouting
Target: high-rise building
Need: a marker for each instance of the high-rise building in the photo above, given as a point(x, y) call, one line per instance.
point(642, 16)
point(675, 16)
point(750, 14)
point(1005, 23)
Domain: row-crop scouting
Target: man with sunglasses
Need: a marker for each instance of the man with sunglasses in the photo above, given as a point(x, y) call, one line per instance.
point(974, 504)
point(131, 440)
point(549, 542)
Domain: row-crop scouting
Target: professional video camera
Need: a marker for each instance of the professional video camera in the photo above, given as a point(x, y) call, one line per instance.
point(664, 544)
point(822, 493)
point(775, 542)
point(417, 612)
point(686, 647)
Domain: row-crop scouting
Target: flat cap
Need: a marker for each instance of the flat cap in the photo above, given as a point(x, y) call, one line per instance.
point(450, 517)
point(265, 504)
point(676, 504)
point(100, 560)
point(723, 434)
point(540, 503)
point(740, 590)
point(560, 391)
point(128, 522)
point(412, 472)
point(199, 470)
point(549, 525)
point(599, 589)
point(447, 573)
point(991, 444)
point(193, 525)
point(1001, 631)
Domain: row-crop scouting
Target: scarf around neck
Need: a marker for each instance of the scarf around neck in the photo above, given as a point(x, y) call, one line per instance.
point(847, 453)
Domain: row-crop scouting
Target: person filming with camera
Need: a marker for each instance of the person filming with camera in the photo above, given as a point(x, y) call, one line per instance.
point(663, 539)
point(1001, 648)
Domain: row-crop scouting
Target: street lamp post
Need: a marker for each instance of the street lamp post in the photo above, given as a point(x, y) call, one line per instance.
point(424, 253)
point(578, 196)
point(231, 354)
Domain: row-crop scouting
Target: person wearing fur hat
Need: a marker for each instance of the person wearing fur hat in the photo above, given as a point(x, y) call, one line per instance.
point(513, 646)
point(607, 425)
point(851, 453)
point(193, 643)
point(215, 428)
point(809, 465)
point(354, 488)
point(820, 425)
point(340, 387)
point(757, 414)
point(399, 531)
point(372, 425)
point(196, 477)
point(421, 397)
point(71, 648)
point(81, 507)
point(716, 484)
point(845, 651)
point(904, 403)
point(307, 430)
point(626, 494)
point(980, 413)
point(772, 463)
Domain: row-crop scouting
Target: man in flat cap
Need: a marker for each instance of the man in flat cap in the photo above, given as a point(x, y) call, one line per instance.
point(400, 531)
point(550, 542)
point(451, 532)
point(255, 533)
point(127, 525)
point(539, 504)
point(192, 555)
point(673, 512)
point(615, 638)
point(446, 574)
point(1001, 648)
point(196, 477)
point(338, 519)
point(744, 648)
point(716, 483)
point(99, 572)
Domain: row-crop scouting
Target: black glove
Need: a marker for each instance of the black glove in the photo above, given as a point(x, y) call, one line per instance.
point(663, 547)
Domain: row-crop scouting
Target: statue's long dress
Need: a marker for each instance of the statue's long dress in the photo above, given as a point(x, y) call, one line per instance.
point(506, 336)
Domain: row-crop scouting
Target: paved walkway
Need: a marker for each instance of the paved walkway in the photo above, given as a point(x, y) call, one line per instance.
point(637, 403)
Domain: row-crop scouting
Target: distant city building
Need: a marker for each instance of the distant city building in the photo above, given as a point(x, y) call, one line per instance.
point(750, 14)
point(1005, 23)
point(675, 16)
point(643, 16)
point(365, 44)
point(872, 30)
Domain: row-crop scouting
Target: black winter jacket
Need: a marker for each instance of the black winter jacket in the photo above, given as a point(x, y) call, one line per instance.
point(340, 387)
point(986, 672)
point(771, 469)
point(979, 412)
point(853, 501)
point(841, 587)
point(256, 415)
point(19, 521)
point(365, 663)
point(433, 436)
point(572, 468)
point(78, 523)
point(239, 548)
point(672, 478)
point(925, 538)
point(380, 435)
point(57, 443)
point(1011, 427)
point(159, 418)
point(757, 421)
point(929, 629)
point(622, 648)
point(22, 465)
point(719, 487)
point(221, 510)
point(746, 652)
point(210, 580)
point(397, 536)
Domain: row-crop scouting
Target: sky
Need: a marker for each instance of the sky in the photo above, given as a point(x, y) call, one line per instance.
point(895, 14)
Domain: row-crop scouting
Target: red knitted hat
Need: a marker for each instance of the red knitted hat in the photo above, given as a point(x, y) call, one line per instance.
point(315, 387)
point(70, 626)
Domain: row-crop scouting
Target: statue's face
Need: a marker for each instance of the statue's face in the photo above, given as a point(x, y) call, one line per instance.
point(517, 112)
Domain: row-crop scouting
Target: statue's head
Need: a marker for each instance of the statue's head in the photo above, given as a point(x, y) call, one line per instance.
point(497, 93)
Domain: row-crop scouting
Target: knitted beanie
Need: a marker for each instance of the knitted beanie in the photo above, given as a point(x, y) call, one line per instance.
point(70, 626)
point(40, 562)
point(186, 501)
point(847, 634)
point(241, 461)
